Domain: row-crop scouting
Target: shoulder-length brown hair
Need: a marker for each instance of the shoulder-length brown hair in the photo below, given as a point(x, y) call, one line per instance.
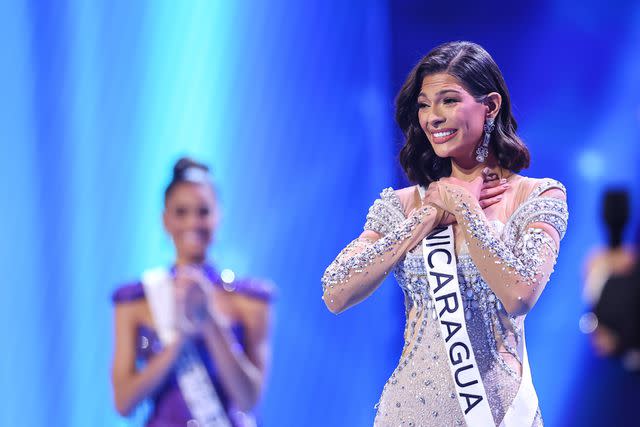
point(478, 73)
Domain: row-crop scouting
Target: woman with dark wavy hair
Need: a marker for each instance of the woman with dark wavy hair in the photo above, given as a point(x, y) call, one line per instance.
point(472, 245)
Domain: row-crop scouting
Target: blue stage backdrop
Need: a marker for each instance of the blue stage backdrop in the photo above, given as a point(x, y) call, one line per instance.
point(291, 104)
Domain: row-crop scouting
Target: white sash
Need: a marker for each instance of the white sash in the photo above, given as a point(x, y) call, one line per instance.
point(524, 407)
point(193, 379)
point(438, 250)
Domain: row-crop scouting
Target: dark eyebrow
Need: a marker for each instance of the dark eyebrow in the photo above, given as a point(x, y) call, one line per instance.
point(440, 93)
point(448, 90)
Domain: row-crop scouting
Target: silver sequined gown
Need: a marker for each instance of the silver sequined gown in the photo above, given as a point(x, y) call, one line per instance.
point(420, 391)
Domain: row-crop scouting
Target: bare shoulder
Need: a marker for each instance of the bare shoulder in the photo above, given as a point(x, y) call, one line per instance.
point(132, 312)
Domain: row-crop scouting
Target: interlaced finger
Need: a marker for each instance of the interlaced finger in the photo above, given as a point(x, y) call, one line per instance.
point(487, 193)
point(485, 203)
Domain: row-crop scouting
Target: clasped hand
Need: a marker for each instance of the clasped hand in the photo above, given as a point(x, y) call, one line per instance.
point(487, 189)
point(193, 301)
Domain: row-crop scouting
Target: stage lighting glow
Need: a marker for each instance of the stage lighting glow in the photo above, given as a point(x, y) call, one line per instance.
point(588, 323)
point(591, 164)
point(227, 275)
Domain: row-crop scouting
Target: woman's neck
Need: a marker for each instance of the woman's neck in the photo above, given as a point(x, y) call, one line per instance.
point(182, 261)
point(474, 169)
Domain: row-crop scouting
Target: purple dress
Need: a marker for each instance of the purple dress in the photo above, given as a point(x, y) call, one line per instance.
point(169, 407)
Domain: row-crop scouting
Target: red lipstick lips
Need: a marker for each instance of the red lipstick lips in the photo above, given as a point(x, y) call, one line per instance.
point(443, 135)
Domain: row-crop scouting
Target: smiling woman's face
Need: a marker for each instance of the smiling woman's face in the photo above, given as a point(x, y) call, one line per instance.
point(190, 217)
point(450, 117)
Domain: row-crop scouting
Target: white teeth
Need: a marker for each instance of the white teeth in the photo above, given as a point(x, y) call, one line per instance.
point(443, 134)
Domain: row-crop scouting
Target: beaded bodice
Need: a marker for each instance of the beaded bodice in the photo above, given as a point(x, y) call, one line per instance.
point(479, 299)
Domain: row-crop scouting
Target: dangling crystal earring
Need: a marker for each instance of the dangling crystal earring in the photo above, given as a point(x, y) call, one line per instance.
point(482, 152)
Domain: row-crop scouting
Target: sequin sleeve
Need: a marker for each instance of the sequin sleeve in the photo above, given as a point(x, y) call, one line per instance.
point(360, 267)
point(385, 214)
point(518, 267)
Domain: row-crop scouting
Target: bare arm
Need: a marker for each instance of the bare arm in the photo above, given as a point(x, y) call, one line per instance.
point(130, 387)
point(242, 372)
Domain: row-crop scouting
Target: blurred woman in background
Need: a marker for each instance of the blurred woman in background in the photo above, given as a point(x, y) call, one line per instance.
point(611, 290)
point(197, 346)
